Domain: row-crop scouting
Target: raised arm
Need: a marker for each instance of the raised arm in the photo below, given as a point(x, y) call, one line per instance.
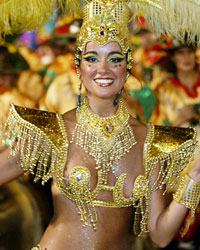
point(9, 169)
point(166, 221)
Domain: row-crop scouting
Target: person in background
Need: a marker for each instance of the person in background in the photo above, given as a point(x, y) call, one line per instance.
point(178, 94)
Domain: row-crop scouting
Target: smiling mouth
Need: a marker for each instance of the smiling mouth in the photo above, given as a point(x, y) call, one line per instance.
point(104, 82)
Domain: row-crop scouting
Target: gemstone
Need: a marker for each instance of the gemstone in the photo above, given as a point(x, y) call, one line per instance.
point(108, 128)
point(102, 33)
point(79, 176)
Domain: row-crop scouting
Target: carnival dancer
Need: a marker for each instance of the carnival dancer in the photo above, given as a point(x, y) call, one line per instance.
point(109, 172)
point(179, 93)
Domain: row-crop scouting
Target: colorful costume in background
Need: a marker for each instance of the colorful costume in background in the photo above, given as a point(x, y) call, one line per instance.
point(172, 97)
point(107, 139)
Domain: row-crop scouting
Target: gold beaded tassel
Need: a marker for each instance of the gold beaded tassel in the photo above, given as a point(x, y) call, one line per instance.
point(37, 248)
point(170, 163)
point(188, 194)
point(79, 180)
point(87, 213)
point(105, 139)
point(28, 140)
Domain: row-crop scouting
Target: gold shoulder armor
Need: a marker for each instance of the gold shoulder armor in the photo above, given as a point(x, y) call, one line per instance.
point(170, 147)
point(40, 138)
point(167, 151)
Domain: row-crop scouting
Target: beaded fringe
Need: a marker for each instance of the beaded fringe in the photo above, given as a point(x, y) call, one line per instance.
point(105, 159)
point(170, 166)
point(37, 248)
point(38, 155)
point(188, 194)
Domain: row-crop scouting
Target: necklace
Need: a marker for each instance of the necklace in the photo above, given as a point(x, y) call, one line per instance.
point(107, 139)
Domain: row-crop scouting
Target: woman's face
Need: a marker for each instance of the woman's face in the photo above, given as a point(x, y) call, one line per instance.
point(185, 59)
point(103, 69)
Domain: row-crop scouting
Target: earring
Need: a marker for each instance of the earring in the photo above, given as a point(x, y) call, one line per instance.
point(127, 75)
point(116, 101)
point(77, 61)
point(79, 95)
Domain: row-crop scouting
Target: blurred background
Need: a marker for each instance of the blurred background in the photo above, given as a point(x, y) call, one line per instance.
point(37, 70)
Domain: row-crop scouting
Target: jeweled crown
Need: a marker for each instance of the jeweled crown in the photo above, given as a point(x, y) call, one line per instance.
point(105, 21)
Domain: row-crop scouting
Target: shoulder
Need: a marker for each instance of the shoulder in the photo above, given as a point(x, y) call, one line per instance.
point(40, 139)
point(165, 140)
point(139, 129)
point(70, 116)
point(41, 124)
point(31, 115)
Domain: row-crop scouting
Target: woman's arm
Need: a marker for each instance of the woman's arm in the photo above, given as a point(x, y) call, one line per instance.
point(9, 169)
point(166, 221)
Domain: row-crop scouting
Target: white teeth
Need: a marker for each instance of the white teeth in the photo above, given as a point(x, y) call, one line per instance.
point(104, 81)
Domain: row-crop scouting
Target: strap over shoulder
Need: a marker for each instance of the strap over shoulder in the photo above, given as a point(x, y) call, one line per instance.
point(40, 138)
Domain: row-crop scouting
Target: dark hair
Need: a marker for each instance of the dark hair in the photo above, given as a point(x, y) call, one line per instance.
point(170, 66)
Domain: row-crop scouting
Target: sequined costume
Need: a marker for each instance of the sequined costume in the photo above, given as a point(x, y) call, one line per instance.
point(41, 139)
point(39, 128)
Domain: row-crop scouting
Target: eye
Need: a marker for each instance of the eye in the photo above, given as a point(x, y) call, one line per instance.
point(116, 59)
point(91, 59)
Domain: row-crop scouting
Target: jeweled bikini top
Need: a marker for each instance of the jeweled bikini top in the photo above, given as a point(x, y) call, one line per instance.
point(47, 131)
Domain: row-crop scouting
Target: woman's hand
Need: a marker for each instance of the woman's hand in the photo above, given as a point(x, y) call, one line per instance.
point(9, 169)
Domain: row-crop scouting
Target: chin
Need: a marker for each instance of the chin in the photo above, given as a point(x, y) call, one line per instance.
point(107, 95)
point(104, 93)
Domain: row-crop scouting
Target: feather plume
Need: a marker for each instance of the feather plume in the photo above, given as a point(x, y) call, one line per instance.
point(177, 18)
point(18, 15)
point(72, 7)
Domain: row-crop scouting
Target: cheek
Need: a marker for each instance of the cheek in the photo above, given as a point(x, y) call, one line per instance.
point(121, 71)
point(179, 61)
point(85, 70)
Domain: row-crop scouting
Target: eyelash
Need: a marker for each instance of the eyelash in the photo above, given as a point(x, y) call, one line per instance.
point(91, 59)
point(116, 59)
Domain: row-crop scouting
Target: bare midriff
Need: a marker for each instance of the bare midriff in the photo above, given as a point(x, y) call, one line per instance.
point(66, 231)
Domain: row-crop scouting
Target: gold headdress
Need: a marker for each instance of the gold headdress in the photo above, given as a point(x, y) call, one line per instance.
point(105, 21)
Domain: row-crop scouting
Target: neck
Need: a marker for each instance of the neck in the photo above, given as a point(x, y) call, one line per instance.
point(188, 78)
point(102, 107)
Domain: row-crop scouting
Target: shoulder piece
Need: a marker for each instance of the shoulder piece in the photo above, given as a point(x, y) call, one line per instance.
point(167, 151)
point(41, 139)
point(172, 148)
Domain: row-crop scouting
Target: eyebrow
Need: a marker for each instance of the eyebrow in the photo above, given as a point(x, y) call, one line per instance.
point(90, 52)
point(111, 53)
point(115, 52)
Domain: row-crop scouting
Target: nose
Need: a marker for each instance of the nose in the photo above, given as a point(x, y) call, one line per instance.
point(102, 67)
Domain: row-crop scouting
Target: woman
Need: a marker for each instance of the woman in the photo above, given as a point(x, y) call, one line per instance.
point(108, 170)
point(178, 94)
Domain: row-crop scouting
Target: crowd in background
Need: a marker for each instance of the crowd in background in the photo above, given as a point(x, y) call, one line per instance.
point(37, 70)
